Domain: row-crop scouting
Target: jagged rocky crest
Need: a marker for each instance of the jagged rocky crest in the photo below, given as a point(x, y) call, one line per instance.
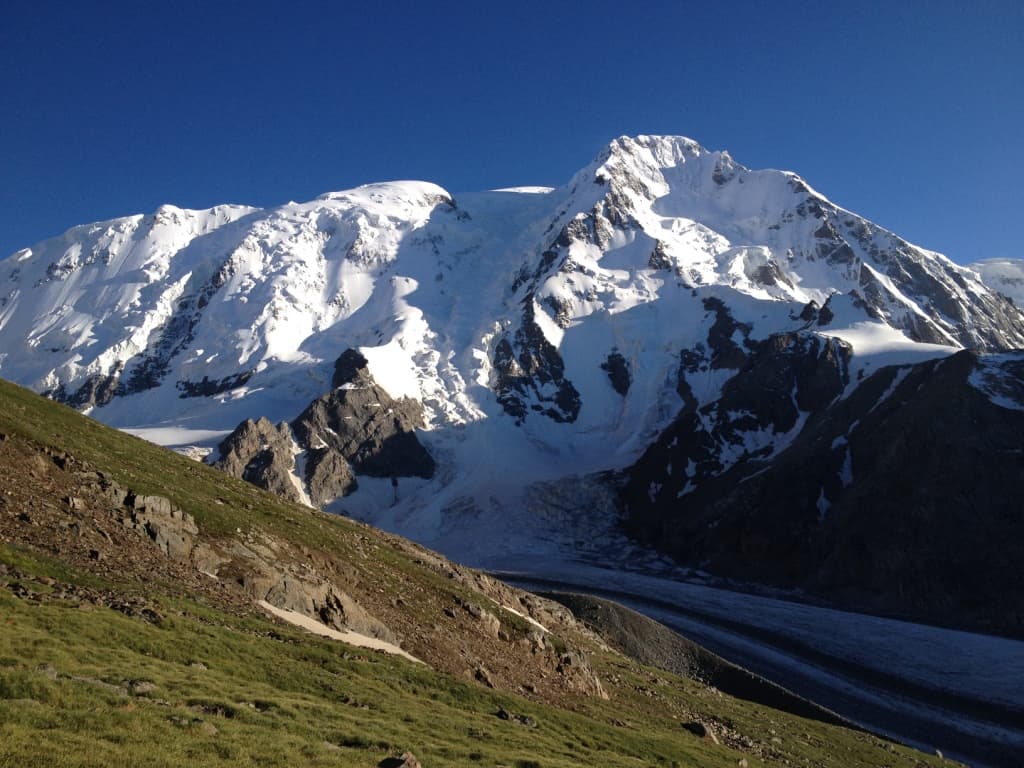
point(355, 429)
point(262, 454)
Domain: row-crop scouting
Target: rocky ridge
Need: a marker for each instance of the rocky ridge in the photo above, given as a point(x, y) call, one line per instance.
point(900, 497)
point(355, 429)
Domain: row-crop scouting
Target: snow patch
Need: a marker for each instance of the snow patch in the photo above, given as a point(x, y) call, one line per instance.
point(346, 636)
point(1004, 387)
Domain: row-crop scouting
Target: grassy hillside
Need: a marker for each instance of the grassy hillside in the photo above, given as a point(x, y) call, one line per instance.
point(112, 653)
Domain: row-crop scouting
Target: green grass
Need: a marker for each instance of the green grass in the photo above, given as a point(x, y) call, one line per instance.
point(236, 690)
point(279, 697)
point(274, 695)
point(149, 469)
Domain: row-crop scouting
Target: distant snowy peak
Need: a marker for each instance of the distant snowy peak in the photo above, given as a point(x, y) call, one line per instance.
point(768, 234)
point(1004, 275)
point(405, 195)
point(667, 302)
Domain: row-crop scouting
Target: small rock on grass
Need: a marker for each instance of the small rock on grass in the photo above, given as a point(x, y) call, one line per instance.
point(207, 729)
point(526, 720)
point(483, 675)
point(407, 760)
point(701, 730)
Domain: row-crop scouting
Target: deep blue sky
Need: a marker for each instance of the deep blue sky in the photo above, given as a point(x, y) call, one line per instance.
point(910, 115)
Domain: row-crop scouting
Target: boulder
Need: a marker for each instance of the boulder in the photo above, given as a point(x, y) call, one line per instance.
point(171, 529)
point(579, 675)
point(406, 760)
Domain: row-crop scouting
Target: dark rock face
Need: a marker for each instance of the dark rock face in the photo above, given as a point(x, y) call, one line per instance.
point(725, 353)
point(784, 376)
point(369, 429)
point(531, 375)
point(328, 475)
point(261, 454)
point(985, 321)
point(150, 368)
point(349, 367)
point(890, 499)
point(659, 258)
point(208, 387)
point(97, 390)
point(918, 328)
point(356, 428)
point(359, 423)
point(618, 372)
point(770, 274)
point(788, 373)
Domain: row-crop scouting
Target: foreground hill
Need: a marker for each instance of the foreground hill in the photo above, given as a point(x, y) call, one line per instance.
point(139, 596)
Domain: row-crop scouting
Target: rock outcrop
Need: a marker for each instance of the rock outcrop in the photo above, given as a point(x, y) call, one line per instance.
point(267, 573)
point(262, 454)
point(355, 429)
point(263, 567)
point(171, 529)
point(360, 424)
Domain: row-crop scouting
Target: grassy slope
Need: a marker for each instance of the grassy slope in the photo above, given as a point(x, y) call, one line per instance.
point(234, 689)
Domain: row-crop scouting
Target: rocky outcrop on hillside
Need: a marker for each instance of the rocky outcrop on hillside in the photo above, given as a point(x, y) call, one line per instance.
point(479, 628)
point(171, 530)
point(262, 567)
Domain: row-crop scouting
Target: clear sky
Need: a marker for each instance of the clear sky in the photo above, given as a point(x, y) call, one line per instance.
point(907, 112)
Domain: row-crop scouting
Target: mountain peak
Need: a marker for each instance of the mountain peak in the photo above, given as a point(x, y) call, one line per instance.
point(644, 152)
point(410, 191)
point(663, 145)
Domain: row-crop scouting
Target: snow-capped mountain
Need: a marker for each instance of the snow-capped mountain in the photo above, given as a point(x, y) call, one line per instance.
point(527, 338)
point(1005, 275)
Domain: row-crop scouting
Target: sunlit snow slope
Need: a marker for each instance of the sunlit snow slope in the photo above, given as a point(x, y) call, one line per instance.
point(1005, 275)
